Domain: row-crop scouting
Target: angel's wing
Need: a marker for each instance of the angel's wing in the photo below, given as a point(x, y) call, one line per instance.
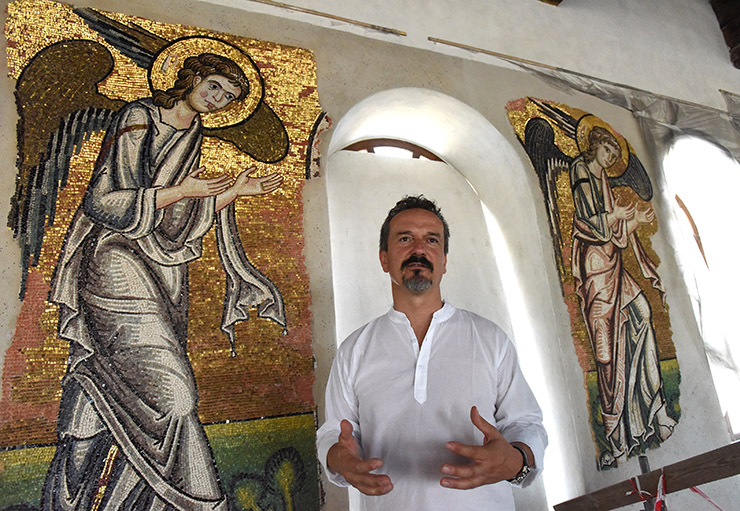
point(549, 162)
point(635, 176)
point(138, 44)
point(59, 107)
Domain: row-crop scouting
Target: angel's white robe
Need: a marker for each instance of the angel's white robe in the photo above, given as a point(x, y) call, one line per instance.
point(122, 288)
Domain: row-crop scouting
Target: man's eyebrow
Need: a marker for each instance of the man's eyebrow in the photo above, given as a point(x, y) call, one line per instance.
point(428, 233)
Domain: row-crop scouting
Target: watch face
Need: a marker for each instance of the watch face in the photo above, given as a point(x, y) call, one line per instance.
point(522, 475)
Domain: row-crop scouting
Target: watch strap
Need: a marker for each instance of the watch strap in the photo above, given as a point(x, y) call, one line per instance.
point(522, 475)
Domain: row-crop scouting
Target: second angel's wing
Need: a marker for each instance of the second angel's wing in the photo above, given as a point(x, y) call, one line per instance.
point(549, 162)
point(635, 176)
point(59, 107)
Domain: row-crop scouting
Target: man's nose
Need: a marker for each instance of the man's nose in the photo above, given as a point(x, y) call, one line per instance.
point(419, 247)
point(218, 95)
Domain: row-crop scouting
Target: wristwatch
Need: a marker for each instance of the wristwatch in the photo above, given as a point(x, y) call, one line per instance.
point(524, 472)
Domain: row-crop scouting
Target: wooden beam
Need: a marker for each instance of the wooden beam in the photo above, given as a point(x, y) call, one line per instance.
point(333, 17)
point(728, 16)
point(704, 468)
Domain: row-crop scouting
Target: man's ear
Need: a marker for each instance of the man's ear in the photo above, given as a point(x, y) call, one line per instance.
point(197, 80)
point(383, 256)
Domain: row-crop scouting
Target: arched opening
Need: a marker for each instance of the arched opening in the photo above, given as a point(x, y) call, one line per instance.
point(701, 185)
point(482, 187)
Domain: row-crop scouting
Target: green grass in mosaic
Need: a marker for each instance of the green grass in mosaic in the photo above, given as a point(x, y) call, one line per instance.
point(263, 464)
point(671, 381)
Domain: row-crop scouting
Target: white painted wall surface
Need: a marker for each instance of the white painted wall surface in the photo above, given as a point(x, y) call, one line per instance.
point(671, 47)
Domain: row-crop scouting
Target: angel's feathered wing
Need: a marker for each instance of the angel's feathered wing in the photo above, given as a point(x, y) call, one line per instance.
point(548, 161)
point(59, 107)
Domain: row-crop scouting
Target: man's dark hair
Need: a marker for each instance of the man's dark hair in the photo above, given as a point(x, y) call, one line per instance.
point(412, 202)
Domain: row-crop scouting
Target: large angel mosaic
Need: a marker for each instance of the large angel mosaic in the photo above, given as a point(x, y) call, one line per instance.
point(597, 195)
point(129, 431)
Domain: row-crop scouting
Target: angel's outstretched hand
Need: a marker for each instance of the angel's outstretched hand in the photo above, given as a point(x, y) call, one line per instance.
point(192, 186)
point(247, 184)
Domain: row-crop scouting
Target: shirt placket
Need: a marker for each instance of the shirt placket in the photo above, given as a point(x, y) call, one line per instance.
point(422, 364)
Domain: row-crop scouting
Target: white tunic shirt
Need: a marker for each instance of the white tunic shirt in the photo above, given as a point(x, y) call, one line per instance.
point(405, 403)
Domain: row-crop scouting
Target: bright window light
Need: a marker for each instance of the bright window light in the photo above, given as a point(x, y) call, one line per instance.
point(395, 152)
point(702, 183)
point(555, 475)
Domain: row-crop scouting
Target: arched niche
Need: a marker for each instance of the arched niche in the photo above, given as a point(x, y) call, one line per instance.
point(500, 265)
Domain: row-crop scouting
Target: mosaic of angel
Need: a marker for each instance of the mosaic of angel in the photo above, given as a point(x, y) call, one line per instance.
point(617, 315)
point(121, 283)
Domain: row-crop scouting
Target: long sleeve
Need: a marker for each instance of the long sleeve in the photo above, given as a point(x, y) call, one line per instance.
point(341, 403)
point(518, 416)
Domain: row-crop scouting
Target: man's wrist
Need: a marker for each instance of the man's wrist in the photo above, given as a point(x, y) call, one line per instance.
point(524, 471)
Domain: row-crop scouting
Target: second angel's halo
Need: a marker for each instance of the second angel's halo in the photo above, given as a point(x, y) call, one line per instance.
point(163, 74)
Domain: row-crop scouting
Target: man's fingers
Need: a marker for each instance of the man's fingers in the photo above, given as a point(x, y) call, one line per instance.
point(371, 484)
point(345, 429)
point(272, 179)
point(459, 471)
point(473, 452)
point(485, 427)
point(459, 484)
point(461, 477)
point(365, 466)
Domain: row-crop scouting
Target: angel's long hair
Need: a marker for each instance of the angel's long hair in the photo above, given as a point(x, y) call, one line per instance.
point(596, 137)
point(201, 65)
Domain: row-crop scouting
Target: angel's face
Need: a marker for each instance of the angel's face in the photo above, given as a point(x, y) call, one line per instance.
point(211, 93)
point(607, 154)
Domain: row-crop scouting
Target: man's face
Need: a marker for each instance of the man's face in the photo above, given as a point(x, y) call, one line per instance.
point(212, 93)
point(415, 258)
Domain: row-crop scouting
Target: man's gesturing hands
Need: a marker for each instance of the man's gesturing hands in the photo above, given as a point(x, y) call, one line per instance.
point(345, 458)
point(496, 460)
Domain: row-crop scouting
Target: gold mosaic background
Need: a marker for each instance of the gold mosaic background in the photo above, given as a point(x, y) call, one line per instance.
point(272, 374)
point(520, 112)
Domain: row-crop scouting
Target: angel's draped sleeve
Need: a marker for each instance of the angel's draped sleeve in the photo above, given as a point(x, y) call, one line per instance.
point(120, 196)
point(590, 213)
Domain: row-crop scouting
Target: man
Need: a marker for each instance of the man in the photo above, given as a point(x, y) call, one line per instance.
point(427, 399)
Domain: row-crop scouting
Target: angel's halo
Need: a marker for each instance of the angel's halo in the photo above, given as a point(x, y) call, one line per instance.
point(163, 74)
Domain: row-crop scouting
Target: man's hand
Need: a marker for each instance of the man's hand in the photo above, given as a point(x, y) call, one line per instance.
point(345, 459)
point(496, 460)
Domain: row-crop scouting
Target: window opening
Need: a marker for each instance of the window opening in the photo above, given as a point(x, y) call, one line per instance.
point(701, 184)
point(393, 147)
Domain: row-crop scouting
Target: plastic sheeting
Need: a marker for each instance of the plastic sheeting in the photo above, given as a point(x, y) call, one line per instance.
point(662, 119)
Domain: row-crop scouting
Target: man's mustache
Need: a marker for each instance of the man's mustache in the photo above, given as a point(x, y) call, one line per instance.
point(418, 259)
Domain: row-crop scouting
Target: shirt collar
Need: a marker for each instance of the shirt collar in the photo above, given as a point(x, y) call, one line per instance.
point(442, 314)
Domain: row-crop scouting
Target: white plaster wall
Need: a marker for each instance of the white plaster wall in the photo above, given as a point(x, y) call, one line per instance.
point(351, 67)
point(671, 47)
point(361, 189)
